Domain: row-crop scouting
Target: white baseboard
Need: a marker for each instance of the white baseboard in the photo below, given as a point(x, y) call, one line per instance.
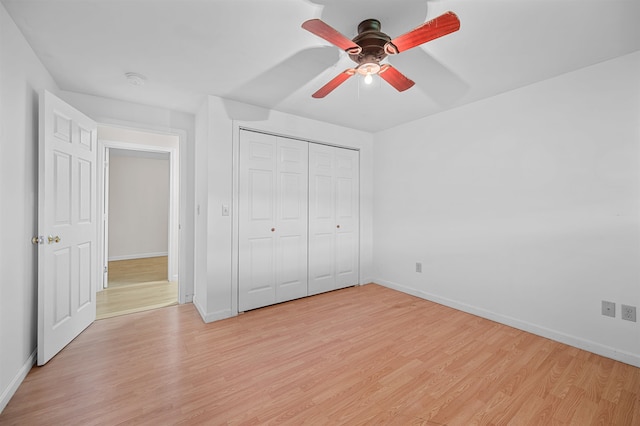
point(211, 316)
point(558, 336)
point(138, 256)
point(8, 393)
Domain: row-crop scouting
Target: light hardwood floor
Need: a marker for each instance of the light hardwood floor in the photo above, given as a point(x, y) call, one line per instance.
point(136, 285)
point(359, 356)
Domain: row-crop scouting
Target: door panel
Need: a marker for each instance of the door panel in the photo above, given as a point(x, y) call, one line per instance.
point(62, 286)
point(261, 189)
point(291, 224)
point(85, 191)
point(62, 187)
point(84, 274)
point(67, 214)
point(345, 261)
point(344, 197)
point(321, 263)
point(256, 274)
point(347, 218)
point(290, 197)
point(321, 219)
point(260, 272)
point(333, 218)
point(291, 282)
point(273, 208)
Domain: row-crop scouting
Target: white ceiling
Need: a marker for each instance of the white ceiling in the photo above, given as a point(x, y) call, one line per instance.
point(254, 51)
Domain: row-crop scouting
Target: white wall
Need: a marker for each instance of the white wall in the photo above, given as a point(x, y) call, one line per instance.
point(213, 286)
point(138, 205)
point(523, 208)
point(218, 124)
point(22, 76)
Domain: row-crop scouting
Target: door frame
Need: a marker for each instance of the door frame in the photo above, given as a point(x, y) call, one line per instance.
point(175, 272)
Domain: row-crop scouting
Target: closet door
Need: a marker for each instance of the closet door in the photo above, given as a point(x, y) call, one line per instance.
point(333, 218)
point(292, 219)
point(347, 216)
point(273, 217)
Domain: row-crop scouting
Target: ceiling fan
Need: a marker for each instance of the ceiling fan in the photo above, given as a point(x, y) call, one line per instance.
point(371, 46)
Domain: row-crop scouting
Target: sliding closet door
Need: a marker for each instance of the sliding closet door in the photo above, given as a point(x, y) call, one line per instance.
point(272, 258)
point(333, 218)
point(292, 219)
point(347, 217)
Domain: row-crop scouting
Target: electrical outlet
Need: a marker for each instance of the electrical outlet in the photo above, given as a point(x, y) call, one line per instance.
point(418, 266)
point(608, 309)
point(628, 313)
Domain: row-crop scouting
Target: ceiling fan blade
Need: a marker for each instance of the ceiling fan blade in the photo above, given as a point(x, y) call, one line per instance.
point(395, 78)
point(325, 31)
point(337, 81)
point(430, 30)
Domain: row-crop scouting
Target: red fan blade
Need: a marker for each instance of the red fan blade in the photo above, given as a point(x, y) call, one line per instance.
point(430, 30)
point(395, 78)
point(322, 30)
point(337, 81)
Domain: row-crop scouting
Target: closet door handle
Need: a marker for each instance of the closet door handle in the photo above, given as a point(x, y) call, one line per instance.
point(273, 229)
point(338, 226)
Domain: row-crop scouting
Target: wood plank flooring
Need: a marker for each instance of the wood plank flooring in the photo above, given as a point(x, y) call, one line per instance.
point(359, 356)
point(134, 271)
point(136, 285)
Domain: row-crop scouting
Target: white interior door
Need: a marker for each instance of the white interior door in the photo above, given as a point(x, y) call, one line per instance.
point(333, 218)
point(292, 164)
point(272, 258)
point(322, 219)
point(347, 217)
point(257, 239)
point(67, 255)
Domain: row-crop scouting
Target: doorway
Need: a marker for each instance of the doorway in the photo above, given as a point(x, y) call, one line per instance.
point(139, 202)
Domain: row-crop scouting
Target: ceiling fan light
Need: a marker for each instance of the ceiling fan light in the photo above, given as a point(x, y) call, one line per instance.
point(368, 79)
point(368, 68)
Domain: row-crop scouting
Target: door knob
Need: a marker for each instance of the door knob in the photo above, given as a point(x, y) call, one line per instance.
point(338, 226)
point(38, 239)
point(52, 240)
point(273, 229)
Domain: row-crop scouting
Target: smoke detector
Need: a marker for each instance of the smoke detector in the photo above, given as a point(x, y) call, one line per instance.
point(135, 79)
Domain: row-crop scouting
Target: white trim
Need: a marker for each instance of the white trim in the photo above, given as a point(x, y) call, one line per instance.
point(297, 138)
point(185, 286)
point(567, 339)
point(103, 207)
point(138, 256)
point(208, 317)
point(235, 227)
point(8, 393)
point(173, 272)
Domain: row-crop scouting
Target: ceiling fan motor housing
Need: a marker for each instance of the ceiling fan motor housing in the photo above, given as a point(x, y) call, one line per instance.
point(373, 42)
